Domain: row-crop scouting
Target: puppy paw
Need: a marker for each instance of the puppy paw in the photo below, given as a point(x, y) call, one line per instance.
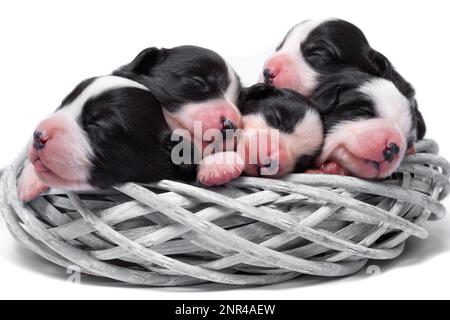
point(314, 171)
point(30, 186)
point(220, 168)
point(411, 151)
point(330, 168)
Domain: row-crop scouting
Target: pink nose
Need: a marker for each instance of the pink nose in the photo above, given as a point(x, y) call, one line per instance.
point(275, 65)
point(391, 151)
point(269, 75)
point(39, 140)
point(47, 130)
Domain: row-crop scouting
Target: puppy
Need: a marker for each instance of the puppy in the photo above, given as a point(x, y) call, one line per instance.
point(198, 91)
point(317, 48)
point(282, 133)
point(194, 85)
point(109, 130)
point(368, 122)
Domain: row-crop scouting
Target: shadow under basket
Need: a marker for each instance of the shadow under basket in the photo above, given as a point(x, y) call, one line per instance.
point(254, 231)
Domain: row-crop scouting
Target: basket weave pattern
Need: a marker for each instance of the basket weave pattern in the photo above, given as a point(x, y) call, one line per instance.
point(253, 231)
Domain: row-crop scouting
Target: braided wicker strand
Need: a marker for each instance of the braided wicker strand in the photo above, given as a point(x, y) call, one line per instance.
point(254, 231)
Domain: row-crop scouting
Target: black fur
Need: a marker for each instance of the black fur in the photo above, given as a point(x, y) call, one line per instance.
point(130, 138)
point(283, 109)
point(336, 45)
point(180, 75)
point(338, 98)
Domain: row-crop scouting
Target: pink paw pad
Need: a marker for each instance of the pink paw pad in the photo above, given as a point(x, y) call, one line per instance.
point(220, 168)
point(330, 168)
point(314, 171)
point(334, 168)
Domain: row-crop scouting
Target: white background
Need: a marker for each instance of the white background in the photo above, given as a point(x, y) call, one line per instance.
point(47, 47)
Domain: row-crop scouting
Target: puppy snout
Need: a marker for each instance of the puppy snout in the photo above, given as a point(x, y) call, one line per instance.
point(391, 151)
point(39, 140)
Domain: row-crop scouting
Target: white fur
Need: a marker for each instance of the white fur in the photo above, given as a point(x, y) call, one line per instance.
point(390, 103)
point(307, 137)
point(231, 95)
point(291, 47)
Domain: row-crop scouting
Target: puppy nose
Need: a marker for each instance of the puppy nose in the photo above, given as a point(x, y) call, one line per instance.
point(227, 125)
point(269, 75)
point(39, 140)
point(391, 151)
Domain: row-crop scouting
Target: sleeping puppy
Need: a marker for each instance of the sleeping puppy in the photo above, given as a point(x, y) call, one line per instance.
point(368, 122)
point(187, 80)
point(317, 48)
point(109, 130)
point(282, 133)
point(198, 91)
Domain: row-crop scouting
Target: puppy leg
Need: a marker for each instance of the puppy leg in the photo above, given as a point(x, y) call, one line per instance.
point(220, 168)
point(29, 185)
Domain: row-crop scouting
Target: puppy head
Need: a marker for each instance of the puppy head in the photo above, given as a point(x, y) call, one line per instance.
point(369, 123)
point(103, 134)
point(314, 48)
point(318, 48)
point(282, 132)
point(192, 83)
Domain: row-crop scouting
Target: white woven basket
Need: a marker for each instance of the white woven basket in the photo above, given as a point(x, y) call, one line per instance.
point(253, 231)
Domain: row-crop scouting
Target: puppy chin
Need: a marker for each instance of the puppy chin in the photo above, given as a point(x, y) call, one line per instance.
point(36, 178)
point(363, 168)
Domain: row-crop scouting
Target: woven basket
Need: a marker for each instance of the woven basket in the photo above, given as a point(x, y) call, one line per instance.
point(253, 231)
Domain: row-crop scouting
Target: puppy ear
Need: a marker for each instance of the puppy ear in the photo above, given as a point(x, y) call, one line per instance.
point(421, 128)
point(327, 100)
point(381, 66)
point(145, 61)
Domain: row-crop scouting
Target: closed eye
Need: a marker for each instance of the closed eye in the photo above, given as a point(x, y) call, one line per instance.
point(199, 82)
point(322, 50)
point(278, 118)
point(322, 53)
point(94, 125)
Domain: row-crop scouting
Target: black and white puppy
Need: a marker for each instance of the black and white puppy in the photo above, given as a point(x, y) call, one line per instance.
point(283, 116)
point(317, 48)
point(187, 88)
point(368, 122)
point(186, 80)
point(109, 130)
